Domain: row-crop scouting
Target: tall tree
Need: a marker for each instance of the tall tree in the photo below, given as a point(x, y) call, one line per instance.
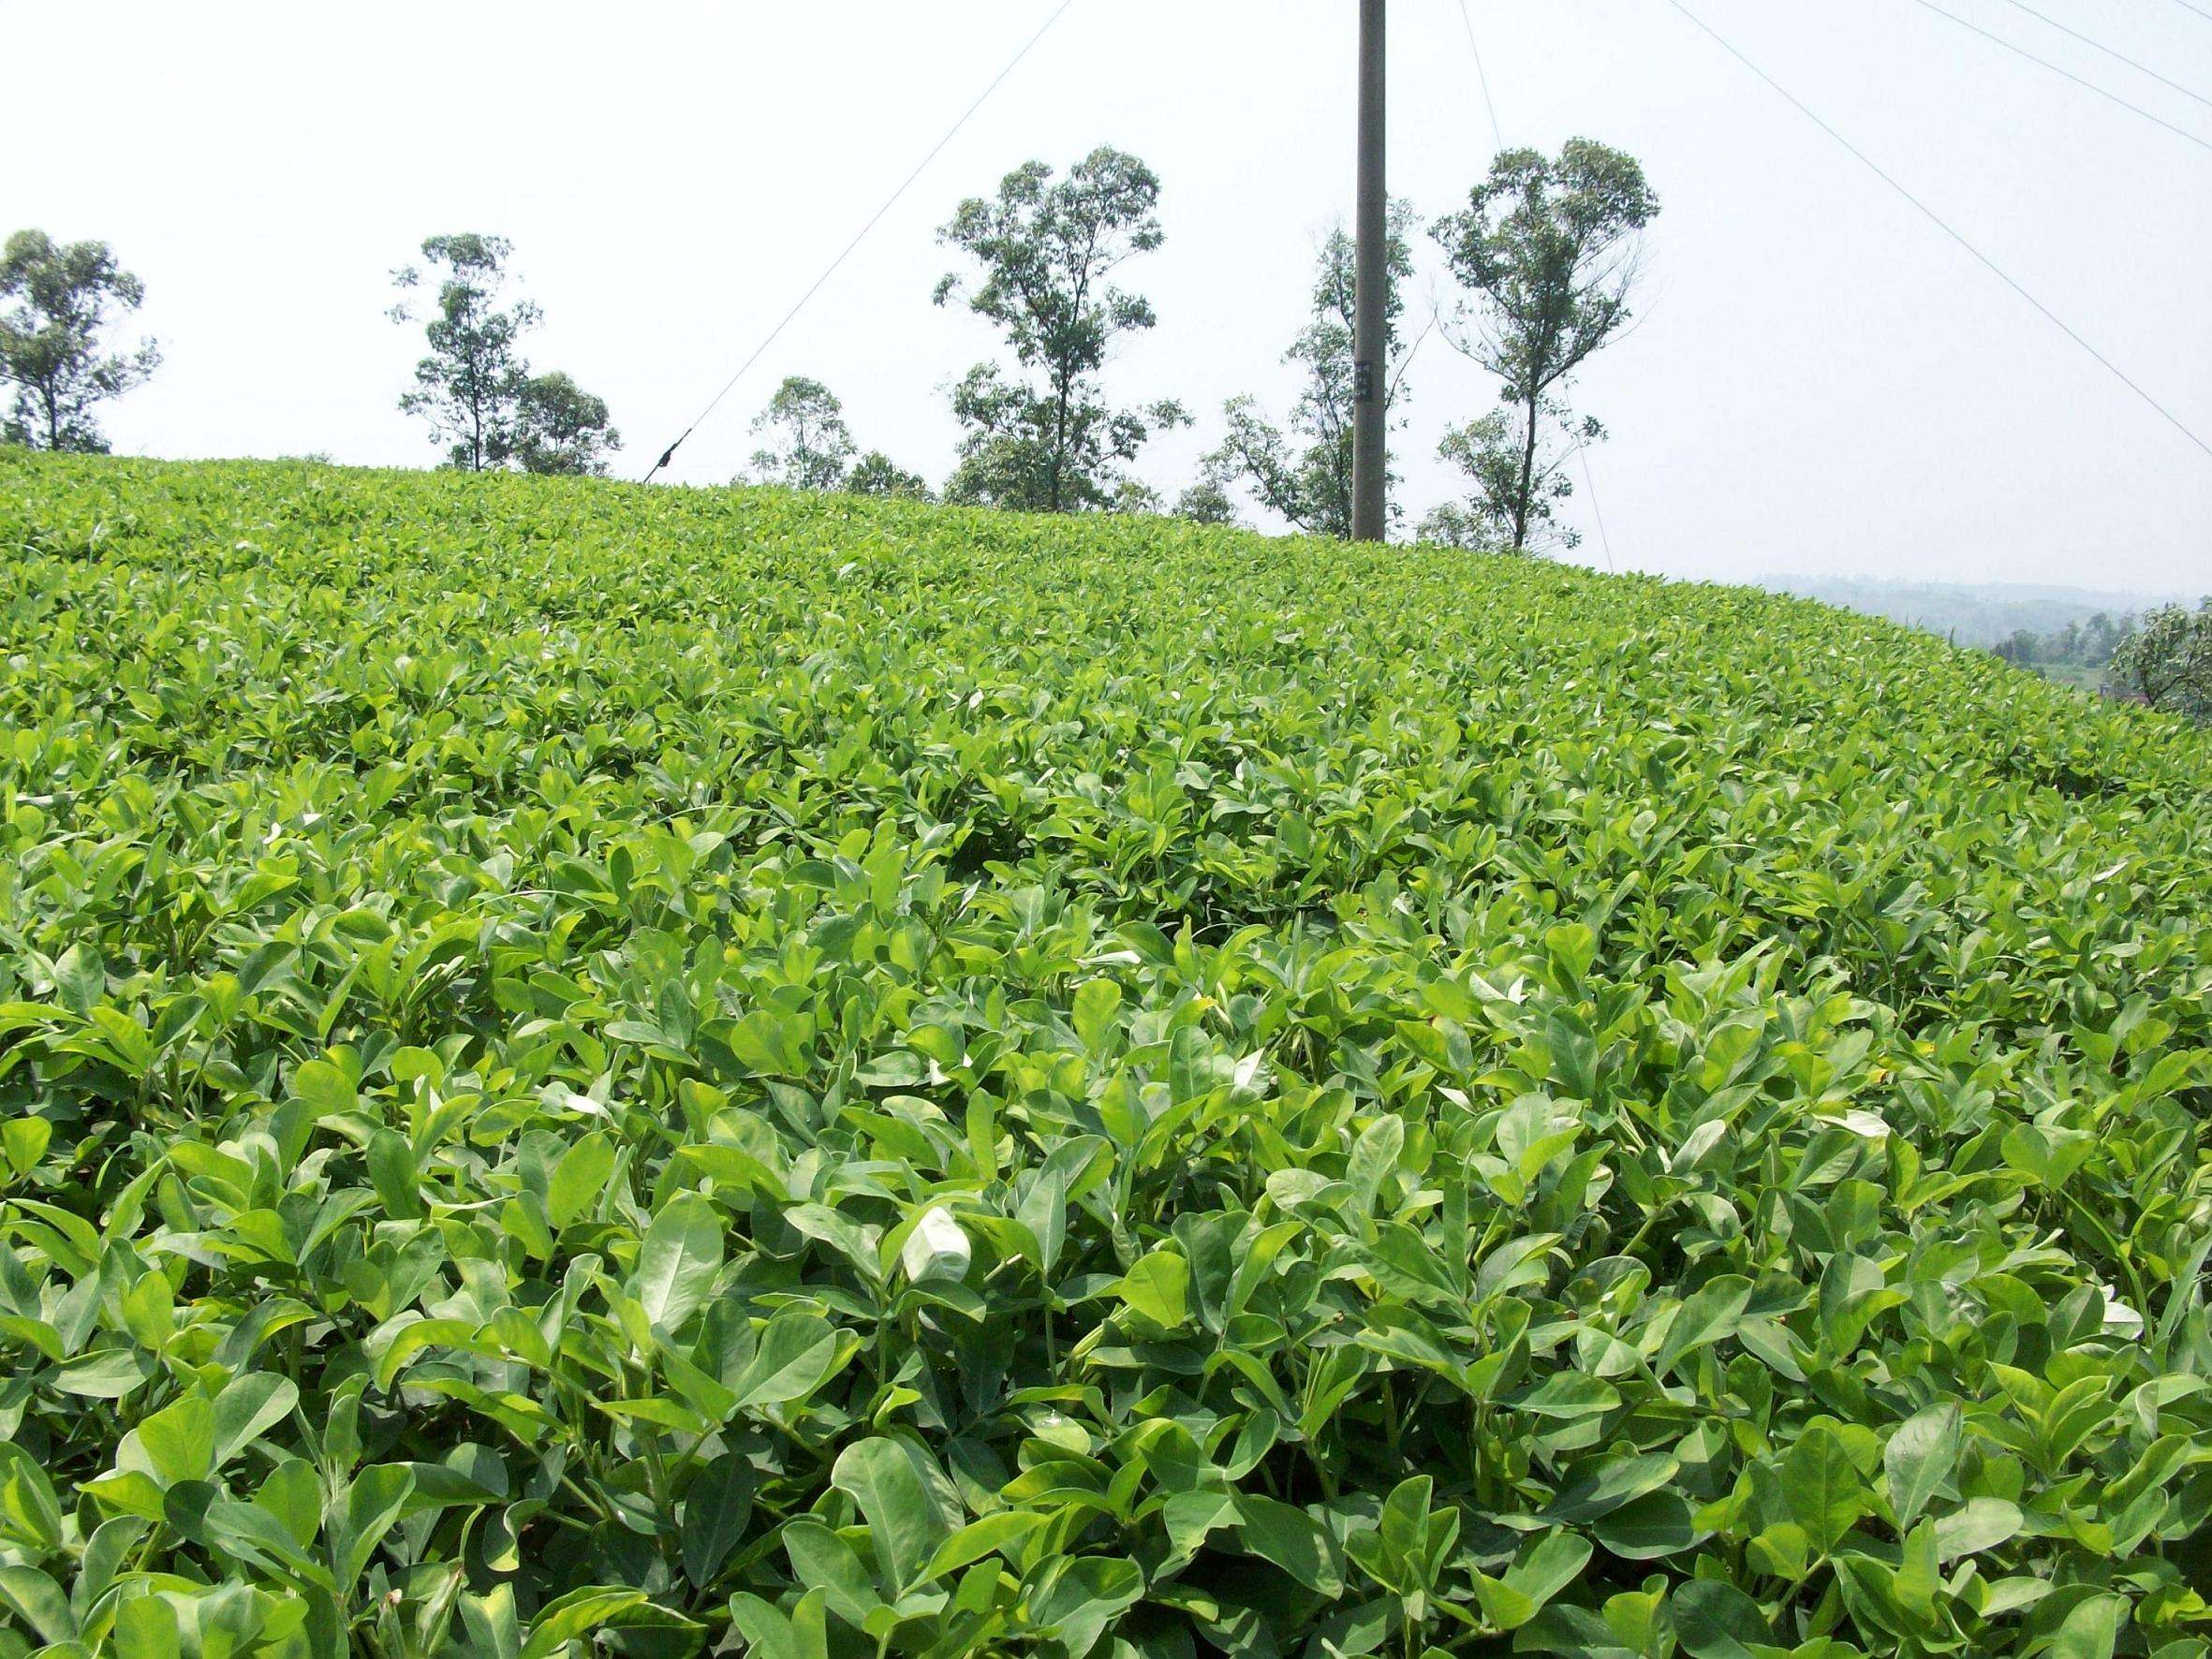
point(470, 389)
point(476, 389)
point(1046, 440)
point(65, 296)
point(1309, 482)
point(809, 446)
point(1549, 249)
point(562, 428)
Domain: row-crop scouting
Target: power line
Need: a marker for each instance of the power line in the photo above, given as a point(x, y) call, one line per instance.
point(2186, 6)
point(891, 202)
point(1943, 224)
point(1603, 540)
point(1497, 136)
point(2056, 69)
point(2117, 56)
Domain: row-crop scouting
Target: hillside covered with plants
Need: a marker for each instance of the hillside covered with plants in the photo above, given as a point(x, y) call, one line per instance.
point(585, 1068)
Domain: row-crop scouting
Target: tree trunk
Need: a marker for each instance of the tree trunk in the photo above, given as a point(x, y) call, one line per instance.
point(1059, 442)
point(1523, 497)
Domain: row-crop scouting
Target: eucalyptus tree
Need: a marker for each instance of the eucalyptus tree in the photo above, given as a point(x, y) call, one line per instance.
point(809, 445)
point(1045, 249)
point(475, 388)
point(1549, 250)
point(1303, 474)
point(66, 296)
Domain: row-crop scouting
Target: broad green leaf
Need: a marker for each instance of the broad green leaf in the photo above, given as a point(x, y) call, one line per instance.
point(1919, 1459)
point(2092, 1630)
point(1081, 1595)
point(1717, 1621)
point(1096, 1004)
point(1824, 1489)
point(578, 1613)
point(903, 1521)
point(1158, 1287)
point(1979, 1524)
point(1708, 1315)
point(798, 1350)
point(1292, 1540)
point(717, 1506)
point(677, 1262)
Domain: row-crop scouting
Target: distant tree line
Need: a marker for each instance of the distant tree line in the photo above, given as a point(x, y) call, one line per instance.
point(2079, 644)
point(65, 297)
point(1546, 254)
point(2162, 658)
point(475, 388)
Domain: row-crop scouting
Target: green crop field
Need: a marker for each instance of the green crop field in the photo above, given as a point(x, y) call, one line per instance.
point(591, 1068)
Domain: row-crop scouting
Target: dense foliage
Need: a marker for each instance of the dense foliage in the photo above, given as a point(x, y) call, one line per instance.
point(2167, 660)
point(66, 296)
point(673, 1067)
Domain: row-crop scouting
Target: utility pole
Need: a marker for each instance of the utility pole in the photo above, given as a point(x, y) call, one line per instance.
point(1370, 350)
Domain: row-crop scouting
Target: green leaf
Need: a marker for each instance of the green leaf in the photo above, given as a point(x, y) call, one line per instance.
point(717, 1506)
point(1919, 1459)
point(38, 1602)
point(903, 1522)
point(1710, 1314)
point(1095, 1002)
point(1081, 1595)
point(80, 978)
point(1979, 1524)
point(373, 1505)
point(797, 1353)
point(1824, 1489)
point(770, 1635)
point(1374, 1159)
point(1292, 1540)
point(146, 1629)
point(828, 1567)
point(2092, 1630)
point(1567, 1394)
point(578, 1613)
point(1542, 1570)
point(1717, 1621)
point(1612, 1483)
point(393, 1174)
point(580, 1180)
point(1158, 1287)
point(25, 1140)
point(327, 1092)
point(1653, 1527)
point(180, 1440)
point(677, 1263)
point(993, 1535)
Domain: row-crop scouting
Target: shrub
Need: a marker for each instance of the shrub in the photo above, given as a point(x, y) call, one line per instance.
point(679, 1067)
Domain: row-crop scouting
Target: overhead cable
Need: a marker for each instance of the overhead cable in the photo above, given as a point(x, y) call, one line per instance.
point(1943, 224)
point(891, 202)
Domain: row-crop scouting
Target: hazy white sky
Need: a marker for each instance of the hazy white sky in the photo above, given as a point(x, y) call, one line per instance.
point(1821, 380)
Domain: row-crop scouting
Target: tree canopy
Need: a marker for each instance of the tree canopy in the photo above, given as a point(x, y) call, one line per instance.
point(1548, 250)
point(1044, 438)
point(1308, 482)
point(475, 388)
point(66, 296)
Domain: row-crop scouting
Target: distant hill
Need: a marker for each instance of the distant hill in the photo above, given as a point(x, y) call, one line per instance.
point(1973, 613)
